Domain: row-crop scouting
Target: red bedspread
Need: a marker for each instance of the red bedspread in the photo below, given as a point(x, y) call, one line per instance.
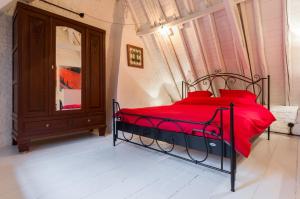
point(250, 119)
point(72, 106)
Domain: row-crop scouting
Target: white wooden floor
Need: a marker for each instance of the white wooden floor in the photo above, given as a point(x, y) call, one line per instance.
point(88, 167)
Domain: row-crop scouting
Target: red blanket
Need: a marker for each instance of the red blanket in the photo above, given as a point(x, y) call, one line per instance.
point(72, 106)
point(250, 119)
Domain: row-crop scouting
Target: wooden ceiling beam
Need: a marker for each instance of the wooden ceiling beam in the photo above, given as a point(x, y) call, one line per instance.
point(238, 35)
point(185, 19)
point(133, 14)
point(170, 46)
point(159, 43)
point(247, 36)
point(260, 37)
point(200, 39)
point(29, 1)
point(185, 45)
point(216, 41)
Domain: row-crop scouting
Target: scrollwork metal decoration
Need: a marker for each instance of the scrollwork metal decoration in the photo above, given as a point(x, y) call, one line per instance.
point(229, 81)
point(127, 139)
point(216, 126)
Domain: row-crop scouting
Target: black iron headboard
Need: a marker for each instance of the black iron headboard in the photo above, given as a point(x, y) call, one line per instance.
point(218, 80)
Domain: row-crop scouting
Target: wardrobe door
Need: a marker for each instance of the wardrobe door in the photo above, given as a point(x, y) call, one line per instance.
point(35, 61)
point(68, 50)
point(95, 71)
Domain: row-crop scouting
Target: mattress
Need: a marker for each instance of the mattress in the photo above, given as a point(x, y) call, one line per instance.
point(250, 119)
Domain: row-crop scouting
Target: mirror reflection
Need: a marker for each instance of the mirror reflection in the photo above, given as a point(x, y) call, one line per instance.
point(68, 69)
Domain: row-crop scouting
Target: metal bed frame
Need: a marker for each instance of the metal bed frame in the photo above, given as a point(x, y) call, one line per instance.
point(216, 145)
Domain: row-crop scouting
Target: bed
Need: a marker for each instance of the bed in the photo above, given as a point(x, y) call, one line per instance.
point(214, 116)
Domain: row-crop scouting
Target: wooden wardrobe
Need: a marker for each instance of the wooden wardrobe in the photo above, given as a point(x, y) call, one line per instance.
point(58, 76)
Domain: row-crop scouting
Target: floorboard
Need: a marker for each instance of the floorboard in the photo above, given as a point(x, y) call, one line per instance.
point(89, 167)
point(298, 172)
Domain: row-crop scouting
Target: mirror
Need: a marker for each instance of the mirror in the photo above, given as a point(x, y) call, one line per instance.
point(68, 69)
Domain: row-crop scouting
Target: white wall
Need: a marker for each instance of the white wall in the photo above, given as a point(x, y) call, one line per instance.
point(139, 87)
point(294, 49)
point(5, 78)
point(273, 23)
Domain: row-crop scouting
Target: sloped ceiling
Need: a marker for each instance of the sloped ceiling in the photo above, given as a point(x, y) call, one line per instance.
point(7, 7)
point(243, 36)
point(93, 8)
point(4, 3)
point(239, 36)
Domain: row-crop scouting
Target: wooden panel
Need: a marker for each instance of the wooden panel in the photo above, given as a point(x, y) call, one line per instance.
point(36, 64)
point(15, 98)
point(88, 121)
point(15, 125)
point(15, 89)
point(15, 66)
point(95, 71)
point(45, 126)
point(53, 75)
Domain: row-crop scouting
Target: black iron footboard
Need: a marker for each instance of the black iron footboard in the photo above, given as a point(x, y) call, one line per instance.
point(189, 141)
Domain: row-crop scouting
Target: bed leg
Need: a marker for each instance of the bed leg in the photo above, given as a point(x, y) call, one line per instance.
point(114, 122)
point(233, 152)
point(115, 136)
point(233, 173)
point(114, 140)
point(269, 100)
point(233, 182)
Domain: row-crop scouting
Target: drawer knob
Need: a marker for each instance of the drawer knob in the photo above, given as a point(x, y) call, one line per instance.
point(47, 125)
point(89, 120)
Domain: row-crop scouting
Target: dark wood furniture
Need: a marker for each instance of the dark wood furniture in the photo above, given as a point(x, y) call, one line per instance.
point(34, 78)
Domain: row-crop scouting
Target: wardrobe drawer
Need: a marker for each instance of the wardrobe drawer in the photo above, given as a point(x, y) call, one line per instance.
point(46, 125)
point(88, 121)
